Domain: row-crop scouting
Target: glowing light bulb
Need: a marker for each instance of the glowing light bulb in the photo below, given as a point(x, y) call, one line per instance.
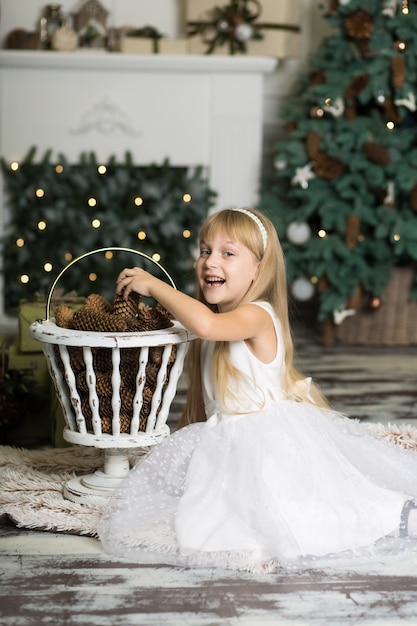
point(390, 125)
point(59, 169)
point(48, 267)
point(41, 225)
point(92, 202)
point(108, 254)
point(24, 279)
point(40, 193)
point(322, 233)
point(92, 277)
point(68, 256)
point(186, 233)
point(187, 197)
point(20, 242)
point(102, 169)
point(156, 257)
point(95, 223)
point(14, 166)
point(138, 201)
point(397, 237)
point(141, 235)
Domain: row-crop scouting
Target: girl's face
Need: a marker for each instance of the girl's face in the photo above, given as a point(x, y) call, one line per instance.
point(225, 270)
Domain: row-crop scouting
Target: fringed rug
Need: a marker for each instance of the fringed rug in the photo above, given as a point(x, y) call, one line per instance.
point(31, 482)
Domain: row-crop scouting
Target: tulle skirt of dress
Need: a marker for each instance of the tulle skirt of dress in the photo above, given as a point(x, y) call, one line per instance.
point(293, 484)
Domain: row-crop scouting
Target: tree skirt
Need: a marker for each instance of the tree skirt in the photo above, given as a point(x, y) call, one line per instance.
point(31, 482)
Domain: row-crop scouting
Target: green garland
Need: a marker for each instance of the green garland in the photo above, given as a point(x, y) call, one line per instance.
point(58, 211)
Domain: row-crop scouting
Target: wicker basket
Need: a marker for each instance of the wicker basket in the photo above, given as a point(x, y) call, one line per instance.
point(84, 422)
point(394, 323)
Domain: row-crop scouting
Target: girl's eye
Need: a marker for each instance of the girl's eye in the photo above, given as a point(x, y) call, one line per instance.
point(204, 252)
point(228, 253)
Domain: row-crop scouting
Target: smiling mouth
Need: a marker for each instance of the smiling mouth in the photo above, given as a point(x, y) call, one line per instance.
point(214, 282)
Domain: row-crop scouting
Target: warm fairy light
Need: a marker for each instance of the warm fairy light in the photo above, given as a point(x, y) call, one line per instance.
point(361, 237)
point(24, 279)
point(68, 256)
point(92, 201)
point(92, 277)
point(40, 193)
point(390, 125)
point(48, 267)
point(156, 257)
point(141, 235)
point(138, 201)
point(102, 169)
point(108, 254)
point(314, 280)
point(186, 233)
point(397, 237)
point(20, 242)
point(187, 197)
point(14, 166)
point(96, 223)
point(59, 169)
point(401, 45)
point(322, 233)
point(41, 225)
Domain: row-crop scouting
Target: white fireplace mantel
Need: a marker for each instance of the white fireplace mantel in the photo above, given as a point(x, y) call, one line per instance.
point(191, 109)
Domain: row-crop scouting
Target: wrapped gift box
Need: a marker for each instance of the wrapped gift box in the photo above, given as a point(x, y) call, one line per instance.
point(29, 312)
point(276, 41)
point(143, 45)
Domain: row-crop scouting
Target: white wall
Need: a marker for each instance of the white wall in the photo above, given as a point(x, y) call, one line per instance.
point(168, 17)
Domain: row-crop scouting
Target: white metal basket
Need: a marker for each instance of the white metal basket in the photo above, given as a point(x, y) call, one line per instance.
point(87, 431)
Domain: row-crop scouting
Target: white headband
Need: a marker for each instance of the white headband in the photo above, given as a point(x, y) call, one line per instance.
point(259, 224)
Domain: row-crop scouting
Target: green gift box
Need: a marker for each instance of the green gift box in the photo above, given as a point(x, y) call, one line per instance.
point(29, 312)
point(34, 362)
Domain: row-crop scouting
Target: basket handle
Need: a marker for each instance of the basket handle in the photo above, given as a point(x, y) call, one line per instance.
point(86, 254)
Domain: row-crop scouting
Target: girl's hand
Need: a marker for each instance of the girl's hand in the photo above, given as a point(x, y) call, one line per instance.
point(135, 279)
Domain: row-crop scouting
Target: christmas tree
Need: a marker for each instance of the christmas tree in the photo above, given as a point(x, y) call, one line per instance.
point(343, 193)
point(60, 210)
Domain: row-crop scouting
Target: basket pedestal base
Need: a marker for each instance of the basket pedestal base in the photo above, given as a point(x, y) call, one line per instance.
point(96, 488)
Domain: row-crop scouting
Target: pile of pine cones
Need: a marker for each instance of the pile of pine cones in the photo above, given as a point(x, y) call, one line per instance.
point(131, 315)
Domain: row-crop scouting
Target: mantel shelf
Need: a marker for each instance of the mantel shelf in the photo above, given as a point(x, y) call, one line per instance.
point(102, 60)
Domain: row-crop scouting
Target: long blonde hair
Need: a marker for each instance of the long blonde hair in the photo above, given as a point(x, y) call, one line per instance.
point(270, 286)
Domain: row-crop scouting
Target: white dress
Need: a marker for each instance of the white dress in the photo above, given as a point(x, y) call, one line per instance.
point(280, 484)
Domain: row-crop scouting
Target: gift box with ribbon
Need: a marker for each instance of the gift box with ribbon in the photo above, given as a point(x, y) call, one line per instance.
point(148, 40)
point(267, 28)
point(29, 312)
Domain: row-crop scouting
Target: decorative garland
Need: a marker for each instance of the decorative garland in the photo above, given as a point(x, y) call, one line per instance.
point(234, 24)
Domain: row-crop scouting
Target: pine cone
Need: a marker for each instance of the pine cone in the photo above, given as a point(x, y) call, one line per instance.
point(64, 316)
point(353, 229)
point(359, 24)
point(98, 304)
point(357, 85)
point(376, 153)
point(327, 167)
point(391, 111)
point(312, 144)
point(126, 308)
point(398, 70)
point(350, 113)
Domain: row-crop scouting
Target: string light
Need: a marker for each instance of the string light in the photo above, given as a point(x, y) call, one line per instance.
point(322, 233)
point(186, 233)
point(68, 256)
point(24, 279)
point(187, 197)
point(390, 125)
point(39, 193)
point(20, 242)
point(156, 257)
point(95, 223)
point(397, 237)
point(138, 201)
point(404, 8)
point(141, 235)
point(41, 225)
point(92, 202)
point(92, 277)
point(59, 169)
point(48, 267)
point(108, 255)
point(102, 169)
point(14, 166)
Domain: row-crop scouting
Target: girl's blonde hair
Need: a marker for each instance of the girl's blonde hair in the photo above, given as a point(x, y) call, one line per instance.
point(270, 285)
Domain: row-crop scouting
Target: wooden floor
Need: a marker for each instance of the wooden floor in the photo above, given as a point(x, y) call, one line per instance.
point(59, 579)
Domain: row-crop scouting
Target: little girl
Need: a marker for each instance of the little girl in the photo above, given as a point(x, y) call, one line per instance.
point(263, 474)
